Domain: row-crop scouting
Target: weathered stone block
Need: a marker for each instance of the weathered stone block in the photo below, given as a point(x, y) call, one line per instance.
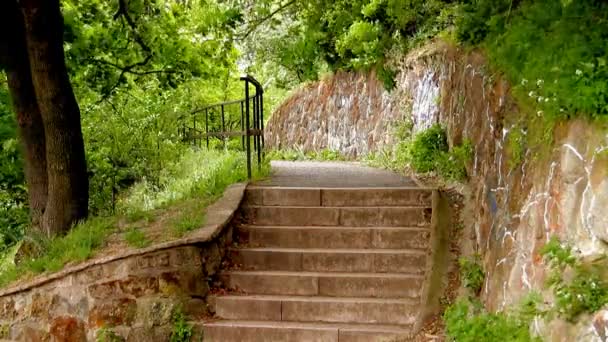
point(112, 312)
point(68, 329)
point(183, 282)
point(153, 312)
point(7, 309)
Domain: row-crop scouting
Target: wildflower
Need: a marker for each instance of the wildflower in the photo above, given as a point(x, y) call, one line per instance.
point(540, 99)
point(539, 83)
point(579, 72)
point(524, 82)
point(547, 99)
point(539, 113)
point(531, 94)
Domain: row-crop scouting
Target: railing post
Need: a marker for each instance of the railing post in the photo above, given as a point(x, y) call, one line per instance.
point(223, 128)
point(262, 117)
point(242, 126)
point(194, 127)
point(207, 127)
point(247, 128)
point(258, 95)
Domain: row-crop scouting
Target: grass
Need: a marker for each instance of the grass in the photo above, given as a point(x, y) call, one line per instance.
point(136, 238)
point(51, 255)
point(186, 189)
point(467, 321)
point(578, 287)
point(299, 155)
point(471, 273)
point(427, 151)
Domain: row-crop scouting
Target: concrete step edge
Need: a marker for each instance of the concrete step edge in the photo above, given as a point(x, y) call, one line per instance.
point(312, 325)
point(333, 250)
point(380, 188)
point(317, 299)
point(248, 206)
point(324, 274)
point(404, 228)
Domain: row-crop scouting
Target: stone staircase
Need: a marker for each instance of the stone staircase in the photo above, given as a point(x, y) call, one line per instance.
point(326, 264)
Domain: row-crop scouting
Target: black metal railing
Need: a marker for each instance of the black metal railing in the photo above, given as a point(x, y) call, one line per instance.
point(227, 121)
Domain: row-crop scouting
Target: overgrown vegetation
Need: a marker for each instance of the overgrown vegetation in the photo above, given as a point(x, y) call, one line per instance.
point(195, 181)
point(181, 331)
point(468, 321)
point(424, 152)
point(553, 52)
point(578, 287)
point(471, 273)
point(299, 154)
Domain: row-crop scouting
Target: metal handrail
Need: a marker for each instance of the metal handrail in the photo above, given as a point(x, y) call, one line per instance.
point(251, 122)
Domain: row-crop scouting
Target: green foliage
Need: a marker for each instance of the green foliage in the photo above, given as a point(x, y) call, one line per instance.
point(578, 287)
point(186, 222)
point(426, 147)
point(467, 321)
point(516, 145)
point(298, 154)
point(188, 186)
point(311, 36)
point(426, 151)
point(181, 331)
point(136, 238)
point(546, 49)
point(50, 255)
point(105, 334)
point(14, 214)
point(471, 273)
point(452, 165)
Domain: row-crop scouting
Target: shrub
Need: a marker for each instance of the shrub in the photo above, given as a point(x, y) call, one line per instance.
point(578, 287)
point(426, 147)
point(452, 165)
point(471, 273)
point(467, 321)
point(182, 331)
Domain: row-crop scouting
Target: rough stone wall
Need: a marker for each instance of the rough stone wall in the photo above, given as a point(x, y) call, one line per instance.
point(559, 189)
point(132, 297)
point(337, 113)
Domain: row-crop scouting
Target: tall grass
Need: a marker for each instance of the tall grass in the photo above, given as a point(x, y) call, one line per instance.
point(198, 178)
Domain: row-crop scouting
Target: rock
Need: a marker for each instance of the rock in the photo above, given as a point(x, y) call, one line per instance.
point(600, 324)
point(68, 329)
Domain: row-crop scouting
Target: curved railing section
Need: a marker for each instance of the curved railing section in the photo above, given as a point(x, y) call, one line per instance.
point(221, 124)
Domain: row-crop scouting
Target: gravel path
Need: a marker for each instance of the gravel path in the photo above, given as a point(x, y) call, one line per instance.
point(332, 175)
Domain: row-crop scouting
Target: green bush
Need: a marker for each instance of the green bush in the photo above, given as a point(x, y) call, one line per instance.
point(452, 165)
point(182, 331)
point(472, 273)
point(426, 147)
point(546, 49)
point(467, 321)
point(578, 287)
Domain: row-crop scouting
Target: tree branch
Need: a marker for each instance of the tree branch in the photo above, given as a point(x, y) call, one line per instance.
point(123, 11)
point(260, 21)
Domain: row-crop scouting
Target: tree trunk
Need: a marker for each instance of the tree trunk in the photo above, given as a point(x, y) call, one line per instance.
point(66, 164)
point(31, 130)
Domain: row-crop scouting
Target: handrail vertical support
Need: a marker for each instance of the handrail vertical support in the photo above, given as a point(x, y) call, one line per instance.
point(207, 126)
point(247, 131)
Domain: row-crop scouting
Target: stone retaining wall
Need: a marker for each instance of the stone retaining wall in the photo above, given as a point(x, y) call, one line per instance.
point(554, 184)
point(133, 294)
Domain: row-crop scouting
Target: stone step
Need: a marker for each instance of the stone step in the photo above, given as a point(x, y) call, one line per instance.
point(337, 197)
point(277, 331)
point(375, 285)
point(330, 260)
point(334, 237)
point(338, 216)
point(316, 309)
